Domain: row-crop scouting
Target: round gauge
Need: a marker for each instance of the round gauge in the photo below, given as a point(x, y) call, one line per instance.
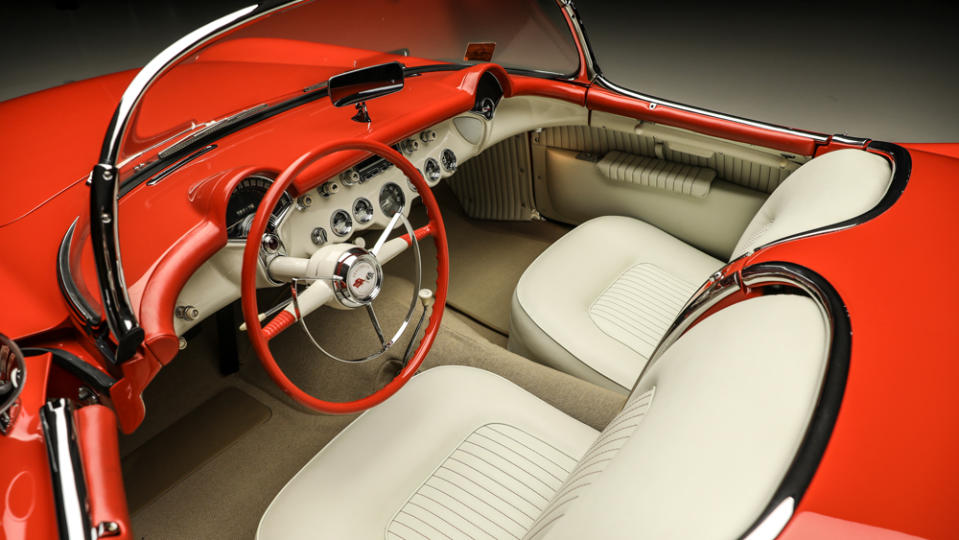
point(487, 107)
point(243, 203)
point(392, 199)
point(362, 210)
point(341, 223)
point(431, 170)
point(449, 160)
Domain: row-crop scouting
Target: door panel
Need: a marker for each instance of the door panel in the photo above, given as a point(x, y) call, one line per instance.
point(572, 189)
point(701, 189)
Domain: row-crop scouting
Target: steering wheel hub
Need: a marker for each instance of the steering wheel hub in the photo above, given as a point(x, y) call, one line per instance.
point(358, 278)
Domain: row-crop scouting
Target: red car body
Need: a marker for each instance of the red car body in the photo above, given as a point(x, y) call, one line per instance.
point(890, 469)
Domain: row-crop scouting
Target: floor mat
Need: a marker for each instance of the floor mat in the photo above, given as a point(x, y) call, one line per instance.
point(487, 259)
point(188, 443)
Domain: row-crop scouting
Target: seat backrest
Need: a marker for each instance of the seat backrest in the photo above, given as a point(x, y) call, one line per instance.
point(708, 433)
point(828, 189)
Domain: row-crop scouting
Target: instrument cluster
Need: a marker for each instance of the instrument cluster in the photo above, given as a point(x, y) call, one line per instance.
point(367, 195)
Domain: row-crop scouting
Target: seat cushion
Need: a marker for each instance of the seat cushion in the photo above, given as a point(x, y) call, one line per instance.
point(596, 303)
point(459, 452)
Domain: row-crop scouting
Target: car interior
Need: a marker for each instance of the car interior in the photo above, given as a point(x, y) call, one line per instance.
point(576, 239)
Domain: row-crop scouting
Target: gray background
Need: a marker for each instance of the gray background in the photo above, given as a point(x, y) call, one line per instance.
point(888, 73)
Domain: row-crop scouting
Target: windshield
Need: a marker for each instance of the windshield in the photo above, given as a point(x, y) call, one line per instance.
point(294, 48)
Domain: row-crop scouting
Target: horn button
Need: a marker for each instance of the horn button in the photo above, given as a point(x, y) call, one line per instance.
point(360, 278)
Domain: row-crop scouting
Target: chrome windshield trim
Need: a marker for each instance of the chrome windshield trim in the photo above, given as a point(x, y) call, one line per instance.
point(66, 471)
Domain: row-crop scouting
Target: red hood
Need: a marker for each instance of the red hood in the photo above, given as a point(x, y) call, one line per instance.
point(51, 140)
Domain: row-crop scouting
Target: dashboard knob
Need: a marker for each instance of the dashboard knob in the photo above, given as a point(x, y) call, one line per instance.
point(187, 313)
point(350, 177)
point(329, 188)
point(428, 136)
point(410, 146)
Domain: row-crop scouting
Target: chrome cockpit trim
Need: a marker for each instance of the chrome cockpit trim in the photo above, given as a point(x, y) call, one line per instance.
point(783, 278)
point(66, 471)
point(603, 82)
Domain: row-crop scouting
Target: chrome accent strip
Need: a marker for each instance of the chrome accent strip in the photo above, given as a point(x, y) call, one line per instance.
point(901, 163)
point(852, 141)
point(774, 523)
point(602, 81)
point(799, 279)
point(176, 166)
point(208, 128)
point(66, 471)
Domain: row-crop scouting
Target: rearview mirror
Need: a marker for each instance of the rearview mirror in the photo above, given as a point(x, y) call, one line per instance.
point(365, 83)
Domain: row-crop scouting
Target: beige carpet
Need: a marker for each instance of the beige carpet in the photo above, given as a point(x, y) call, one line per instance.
point(487, 258)
point(190, 442)
point(226, 495)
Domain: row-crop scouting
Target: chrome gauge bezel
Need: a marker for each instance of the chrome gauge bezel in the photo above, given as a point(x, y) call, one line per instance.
point(277, 218)
point(357, 217)
point(448, 158)
point(397, 189)
point(432, 171)
point(349, 221)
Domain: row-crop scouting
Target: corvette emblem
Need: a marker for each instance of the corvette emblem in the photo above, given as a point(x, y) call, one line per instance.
point(358, 283)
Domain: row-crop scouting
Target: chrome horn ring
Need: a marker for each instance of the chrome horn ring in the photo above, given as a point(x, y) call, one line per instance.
point(358, 265)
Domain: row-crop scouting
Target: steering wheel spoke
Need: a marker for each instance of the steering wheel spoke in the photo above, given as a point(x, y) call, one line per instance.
point(377, 327)
point(301, 305)
point(393, 248)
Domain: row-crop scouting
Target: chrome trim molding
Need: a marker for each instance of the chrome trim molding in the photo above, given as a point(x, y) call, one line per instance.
point(783, 278)
point(602, 81)
point(901, 163)
point(66, 471)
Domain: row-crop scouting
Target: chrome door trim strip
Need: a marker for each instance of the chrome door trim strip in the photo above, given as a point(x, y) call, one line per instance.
point(603, 82)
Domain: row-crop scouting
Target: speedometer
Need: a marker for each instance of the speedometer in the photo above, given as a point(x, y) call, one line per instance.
point(243, 203)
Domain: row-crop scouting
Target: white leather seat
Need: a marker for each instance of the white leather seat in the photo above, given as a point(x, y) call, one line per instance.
point(462, 453)
point(597, 302)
